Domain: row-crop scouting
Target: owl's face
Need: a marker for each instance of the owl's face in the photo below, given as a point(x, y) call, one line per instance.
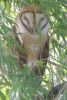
point(32, 23)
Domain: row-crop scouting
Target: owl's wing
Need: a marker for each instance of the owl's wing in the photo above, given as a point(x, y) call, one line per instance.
point(43, 55)
point(18, 48)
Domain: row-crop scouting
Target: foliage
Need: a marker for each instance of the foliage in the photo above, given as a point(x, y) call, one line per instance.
point(17, 84)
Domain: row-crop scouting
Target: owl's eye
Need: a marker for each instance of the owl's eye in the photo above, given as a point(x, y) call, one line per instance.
point(25, 23)
point(43, 22)
point(42, 18)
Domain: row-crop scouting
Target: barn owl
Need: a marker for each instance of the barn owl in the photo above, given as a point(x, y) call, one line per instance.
point(31, 33)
